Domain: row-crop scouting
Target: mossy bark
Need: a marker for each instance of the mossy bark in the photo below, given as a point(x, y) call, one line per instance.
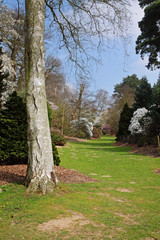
point(40, 173)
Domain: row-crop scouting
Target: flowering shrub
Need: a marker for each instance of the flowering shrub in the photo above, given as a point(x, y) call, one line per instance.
point(83, 125)
point(139, 122)
point(97, 133)
point(106, 129)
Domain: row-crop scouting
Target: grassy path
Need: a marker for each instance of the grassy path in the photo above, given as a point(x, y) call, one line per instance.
point(123, 205)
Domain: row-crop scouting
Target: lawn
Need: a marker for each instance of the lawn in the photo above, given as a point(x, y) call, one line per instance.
point(123, 204)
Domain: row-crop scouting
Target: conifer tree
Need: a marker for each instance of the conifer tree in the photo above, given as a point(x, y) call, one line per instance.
point(13, 131)
point(143, 95)
point(124, 122)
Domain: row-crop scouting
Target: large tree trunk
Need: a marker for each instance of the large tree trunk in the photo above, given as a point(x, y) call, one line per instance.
point(40, 173)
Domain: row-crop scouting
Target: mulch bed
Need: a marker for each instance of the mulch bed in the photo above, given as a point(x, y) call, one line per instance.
point(150, 150)
point(16, 174)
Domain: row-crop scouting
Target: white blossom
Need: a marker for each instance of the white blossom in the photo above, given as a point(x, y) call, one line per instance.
point(135, 127)
point(7, 64)
point(10, 87)
point(84, 124)
point(98, 121)
point(7, 23)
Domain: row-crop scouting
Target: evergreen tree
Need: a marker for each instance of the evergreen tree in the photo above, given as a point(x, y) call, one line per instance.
point(148, 42)
point(13, 131)
point(143, 95)
point(124, 122)
point(132, 81)
point(154, 113)
point(156, 92)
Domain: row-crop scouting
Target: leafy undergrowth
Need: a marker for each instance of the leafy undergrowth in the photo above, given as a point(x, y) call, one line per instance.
point(123, 204)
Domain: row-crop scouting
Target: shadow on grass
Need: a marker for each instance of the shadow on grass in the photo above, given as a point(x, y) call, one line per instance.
point(102, 145)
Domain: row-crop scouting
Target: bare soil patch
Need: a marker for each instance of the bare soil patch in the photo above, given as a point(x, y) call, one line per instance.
point(16, 174)
point(150, 150)
point(64, 223)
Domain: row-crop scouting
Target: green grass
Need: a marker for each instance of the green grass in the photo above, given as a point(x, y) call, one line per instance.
point(123, 205)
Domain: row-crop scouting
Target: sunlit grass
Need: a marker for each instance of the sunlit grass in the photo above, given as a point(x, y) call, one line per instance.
point(123, 204)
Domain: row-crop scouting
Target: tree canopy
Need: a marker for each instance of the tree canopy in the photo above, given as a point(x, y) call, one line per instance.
point(148, 42)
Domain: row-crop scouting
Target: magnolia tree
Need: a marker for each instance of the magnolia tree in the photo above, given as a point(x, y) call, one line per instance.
point(6, 70)
point(82, 125)
point(135, 126)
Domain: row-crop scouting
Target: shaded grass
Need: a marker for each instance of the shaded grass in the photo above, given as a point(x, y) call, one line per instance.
point(124, 205)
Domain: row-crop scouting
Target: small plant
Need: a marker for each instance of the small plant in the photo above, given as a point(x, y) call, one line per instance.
point(58, 139)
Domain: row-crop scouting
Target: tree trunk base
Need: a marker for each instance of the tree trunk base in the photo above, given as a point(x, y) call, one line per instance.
point(43, 185)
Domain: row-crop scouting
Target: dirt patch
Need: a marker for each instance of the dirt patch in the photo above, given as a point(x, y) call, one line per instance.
point(63, 223)
point(17, 173)
point(151, 150)
point(157, 171)
point(123, 190)
point(128, 220)
point(113, 198)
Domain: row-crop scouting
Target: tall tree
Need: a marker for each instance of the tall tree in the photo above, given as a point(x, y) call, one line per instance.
point(40, 173)
point(148, 42)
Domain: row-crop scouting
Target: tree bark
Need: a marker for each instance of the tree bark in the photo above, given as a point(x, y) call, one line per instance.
point(40, 173)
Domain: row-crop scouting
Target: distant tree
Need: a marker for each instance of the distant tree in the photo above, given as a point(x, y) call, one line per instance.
point(148, 42)
point(101, 100)
point(125, 118)
point(143, 95)
point(132, 81)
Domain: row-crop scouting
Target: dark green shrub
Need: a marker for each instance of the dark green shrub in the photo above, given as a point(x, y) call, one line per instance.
point(58, 139)
point(81, 134)
point(55, 155)
point(13, 131)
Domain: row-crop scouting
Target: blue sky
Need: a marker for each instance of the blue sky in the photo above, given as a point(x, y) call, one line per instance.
point(115, 64)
